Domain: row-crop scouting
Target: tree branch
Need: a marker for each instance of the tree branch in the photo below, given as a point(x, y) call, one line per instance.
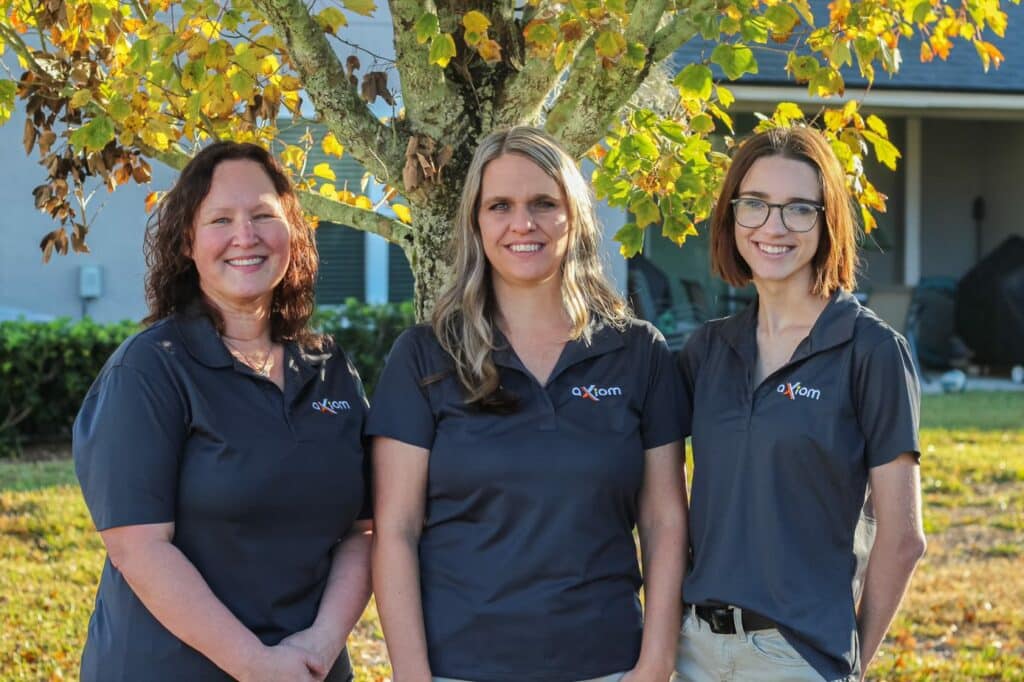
point(344, 113)
point(433, 104)
point(359, 218)
point(593, 94)
point(677, 32)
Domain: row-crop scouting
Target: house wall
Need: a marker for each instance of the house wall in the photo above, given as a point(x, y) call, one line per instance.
point(115, 240)
point(955, 156)
point(1003, 169)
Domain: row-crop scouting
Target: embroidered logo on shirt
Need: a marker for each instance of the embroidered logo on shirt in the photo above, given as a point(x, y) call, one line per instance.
point(791, 391)
point(595, 393)
point(331, 406)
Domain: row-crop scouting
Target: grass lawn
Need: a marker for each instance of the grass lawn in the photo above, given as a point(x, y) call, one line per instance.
point(963, 618)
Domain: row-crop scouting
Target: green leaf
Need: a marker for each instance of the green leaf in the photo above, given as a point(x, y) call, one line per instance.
point(694, 80)
point(630, 238)
point(94, 135)
point(802, 68)
point(702, 123)
point(754, 29)
point(7, 90)
point(426, 26)
point(610, 44)
point(885, 151)
point(442, 49)
point(735, 60)
point(678, 230)
point(363, 7)
point(782, 19)
point(673, 131)
point(645, 210)
point(640, 144)
point(140, 55)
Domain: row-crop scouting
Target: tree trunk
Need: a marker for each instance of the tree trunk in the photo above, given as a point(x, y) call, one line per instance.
point(428, 249)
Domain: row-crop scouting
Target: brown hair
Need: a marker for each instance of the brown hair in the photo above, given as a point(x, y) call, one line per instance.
point(834, 265)
point(172, 281)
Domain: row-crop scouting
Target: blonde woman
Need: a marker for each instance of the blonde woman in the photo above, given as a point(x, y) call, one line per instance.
point(520, 438)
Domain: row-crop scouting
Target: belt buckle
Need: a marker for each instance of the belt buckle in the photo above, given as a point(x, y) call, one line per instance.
point(722, 622)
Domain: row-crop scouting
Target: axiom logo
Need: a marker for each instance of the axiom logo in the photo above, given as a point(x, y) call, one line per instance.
point(791, 391)
point(595, 393)
point(331, 406)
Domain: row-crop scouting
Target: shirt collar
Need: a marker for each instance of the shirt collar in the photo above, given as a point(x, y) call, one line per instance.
point(205, 345)
point(833, 327)
point(604, 338)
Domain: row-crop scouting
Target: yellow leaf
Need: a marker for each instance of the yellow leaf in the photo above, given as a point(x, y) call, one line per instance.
point(331, 146)
point(364, 7)
point(403, 213)
point(475, 22)
point(364, 202)
point(323, 170)
point(327, 190)
point(878, 125)
point(81, 98)
point(269, 65)
point(293, 156)
point(290, 83)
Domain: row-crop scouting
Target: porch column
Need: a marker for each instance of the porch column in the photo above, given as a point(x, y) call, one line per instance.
point(912, 210)
point(375, 264)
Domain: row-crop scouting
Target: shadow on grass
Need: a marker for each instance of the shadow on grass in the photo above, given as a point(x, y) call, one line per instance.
point(19, 475)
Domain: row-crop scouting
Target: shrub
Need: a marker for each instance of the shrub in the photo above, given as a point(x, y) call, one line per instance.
point(366, 333)
point(47, 367)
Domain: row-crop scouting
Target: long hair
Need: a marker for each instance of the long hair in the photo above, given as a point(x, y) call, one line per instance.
point(834, 265)
point(463, 318)
point(172, 281)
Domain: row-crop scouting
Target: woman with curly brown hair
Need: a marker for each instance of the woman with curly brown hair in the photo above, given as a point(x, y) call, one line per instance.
point(220, 449)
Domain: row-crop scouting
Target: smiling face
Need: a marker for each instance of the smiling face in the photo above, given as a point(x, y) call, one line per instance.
point(524, 222)
point(240, 237)
point(773, 253)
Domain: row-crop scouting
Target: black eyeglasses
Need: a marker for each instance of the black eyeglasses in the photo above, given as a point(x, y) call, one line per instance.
point(797, 216)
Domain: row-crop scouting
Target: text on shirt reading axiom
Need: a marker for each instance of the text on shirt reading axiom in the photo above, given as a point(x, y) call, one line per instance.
point(791, 391)
point(595, 393)
point(330, 406)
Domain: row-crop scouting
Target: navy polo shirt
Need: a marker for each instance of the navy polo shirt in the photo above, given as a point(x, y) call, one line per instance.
point(260, 484)
point(780, 469)
point(528, 567)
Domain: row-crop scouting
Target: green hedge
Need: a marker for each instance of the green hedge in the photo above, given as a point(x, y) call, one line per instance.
point(47, 367)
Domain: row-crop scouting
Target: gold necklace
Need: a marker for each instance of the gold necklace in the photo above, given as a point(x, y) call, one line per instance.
point(261, 368)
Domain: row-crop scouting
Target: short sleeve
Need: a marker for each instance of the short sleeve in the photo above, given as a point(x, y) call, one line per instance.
point(662, 419)
point(400, 408)
point(888, 398)
point(687, 365)
point(127, 442)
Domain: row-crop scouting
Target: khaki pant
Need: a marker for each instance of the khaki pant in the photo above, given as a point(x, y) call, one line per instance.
point(615, 677)
point(758, 656)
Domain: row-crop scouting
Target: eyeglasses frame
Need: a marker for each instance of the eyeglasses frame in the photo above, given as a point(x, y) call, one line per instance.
point(782, 213)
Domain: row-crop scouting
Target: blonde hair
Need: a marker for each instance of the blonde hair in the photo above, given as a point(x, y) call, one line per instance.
point(463, 316)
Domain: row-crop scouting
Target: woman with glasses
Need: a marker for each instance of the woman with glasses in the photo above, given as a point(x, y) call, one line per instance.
point(798, 404)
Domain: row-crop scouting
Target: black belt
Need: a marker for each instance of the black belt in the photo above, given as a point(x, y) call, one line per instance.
point(720, 618)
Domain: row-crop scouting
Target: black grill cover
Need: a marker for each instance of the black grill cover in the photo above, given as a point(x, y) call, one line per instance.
point(990, 306)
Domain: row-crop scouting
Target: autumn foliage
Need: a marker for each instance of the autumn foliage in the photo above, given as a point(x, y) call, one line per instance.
point(108, 84)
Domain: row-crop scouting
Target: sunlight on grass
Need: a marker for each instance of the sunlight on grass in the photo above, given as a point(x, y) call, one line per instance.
point(962, 620)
